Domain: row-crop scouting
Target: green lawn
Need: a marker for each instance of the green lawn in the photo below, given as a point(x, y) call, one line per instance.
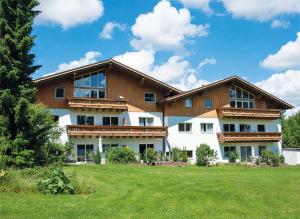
point(125, 191)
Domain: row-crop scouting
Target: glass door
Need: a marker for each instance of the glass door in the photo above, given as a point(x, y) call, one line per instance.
point(246, 153)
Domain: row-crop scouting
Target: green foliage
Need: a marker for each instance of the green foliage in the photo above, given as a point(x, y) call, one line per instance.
point(271, 158)
point(266, 157)
point(291, 131)
point(232, 157)
point(176, 154)
point(120, 155)
point(150, 155)
point(205, 155)
point(184, 155)
point(55, 181)
point(98, 157)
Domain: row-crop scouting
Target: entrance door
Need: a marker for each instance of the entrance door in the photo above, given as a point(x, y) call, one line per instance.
point(246, 153)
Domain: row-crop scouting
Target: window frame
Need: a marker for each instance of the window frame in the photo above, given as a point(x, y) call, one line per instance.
point(146, 119)
point(229, 127)
point(185, 127)
point(210, 101)
point(110, 120)
point(230, 150)
point(262, 125)
point(260, 150)
point(60, 98)
point(245, 125)
point(86, 119)
point(154, 93)
point(85, 152)
point(186, 105)
point(205, 125)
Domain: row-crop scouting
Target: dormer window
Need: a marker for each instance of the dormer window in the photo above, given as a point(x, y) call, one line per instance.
point(240, 98)
point(90, 85)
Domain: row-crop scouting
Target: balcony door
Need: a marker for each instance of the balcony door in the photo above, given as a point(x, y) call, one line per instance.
point(246, 153)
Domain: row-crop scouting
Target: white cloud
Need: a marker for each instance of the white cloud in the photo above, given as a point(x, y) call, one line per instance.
point(197, 4)
point(288, 57)
point(280, 24)
point(261, 10)
point(207, 61)
point(89, 58)
point(285, 86)
point(69, 13)
point(108, 29)
point(166, 28)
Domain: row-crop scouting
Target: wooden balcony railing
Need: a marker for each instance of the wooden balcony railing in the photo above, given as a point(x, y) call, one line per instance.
point(97, 104)
point(228, 112)
point(116, 131)
point(225, 137)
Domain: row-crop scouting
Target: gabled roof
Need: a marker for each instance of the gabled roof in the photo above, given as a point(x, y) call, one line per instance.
point(224, 81)
point(104, 63)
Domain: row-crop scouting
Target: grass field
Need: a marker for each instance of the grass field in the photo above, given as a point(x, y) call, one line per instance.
point(123, 191)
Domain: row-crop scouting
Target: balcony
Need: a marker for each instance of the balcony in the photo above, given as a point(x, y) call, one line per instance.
point(227, 137)
point(241, 113)
point(97, 104)
point(116, 131)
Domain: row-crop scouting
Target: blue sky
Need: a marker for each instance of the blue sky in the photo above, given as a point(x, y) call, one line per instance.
point(254, 39)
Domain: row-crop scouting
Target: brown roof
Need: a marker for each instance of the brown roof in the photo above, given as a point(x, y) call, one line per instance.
point(108, 62)
point(226, 80)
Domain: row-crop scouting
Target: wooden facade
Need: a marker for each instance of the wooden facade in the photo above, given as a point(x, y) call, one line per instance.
point(231, 137)
point(116, 131)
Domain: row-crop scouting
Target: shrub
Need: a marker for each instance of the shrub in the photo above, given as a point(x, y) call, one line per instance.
point(232, 157)
point(205, 155)
point(150, 155)
point(98, 157)
point(176, 154)
point(266, 156)
point(271, 158)
point(120, 155)
point(257, 161)
point(275, 160)
point(184, 155)
point(55, 181)
point(282, 160)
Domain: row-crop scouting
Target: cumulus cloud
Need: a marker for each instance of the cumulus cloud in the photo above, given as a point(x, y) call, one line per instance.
point(261, 10)
point(69, 13)
point(165, 28)
point(176, 70)
point(197, 4)
point(89, 58)
point(288, 56)
point(109, 28)
point(285, 86)
point(280, 24)
point(207, 61)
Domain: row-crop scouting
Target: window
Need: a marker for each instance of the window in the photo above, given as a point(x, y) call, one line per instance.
point(228, 127)
point(106, 147)
point(90, 85)
point(146, 121)
point(59, 93)
point(85, 152)
point(185, 127)
point(261, 128)
point(240, 98)
point(190, 154)
point(110, 121)
point(188, 102)
point(208, 103)
point(143, 147)
point(207, 127)
point(55, 118)
point(85, 120)
point(150, 97)
point(227, 150)
point(261, 149)
point(245, 128)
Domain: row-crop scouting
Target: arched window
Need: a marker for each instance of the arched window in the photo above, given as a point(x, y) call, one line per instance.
point(240, 98)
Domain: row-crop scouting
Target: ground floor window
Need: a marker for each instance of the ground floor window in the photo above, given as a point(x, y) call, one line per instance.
point(246, 153)
point(85, 152)
point(106, 147)
point(261, 149)
point(190, 154)
point(143, 147)
point(227, 151)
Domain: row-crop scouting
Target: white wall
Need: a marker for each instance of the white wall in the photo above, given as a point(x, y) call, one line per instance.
point(291, 156)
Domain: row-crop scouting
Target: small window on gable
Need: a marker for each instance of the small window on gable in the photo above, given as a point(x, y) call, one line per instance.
point(59, 93)
point(208, 103)
point(150, 97)
point(188, 102)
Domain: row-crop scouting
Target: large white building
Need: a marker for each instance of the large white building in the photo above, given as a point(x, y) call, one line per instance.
point(108, 104)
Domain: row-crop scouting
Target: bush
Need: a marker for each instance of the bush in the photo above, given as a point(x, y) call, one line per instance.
point(120, 155)
point(150, 155)
point(266, 156)
point(176, 154)
point(282, 160)
point(98, 157)
point(271, 158)
point(55, 181)
point(184, 155)
point(205, 155)
point(232, 157)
